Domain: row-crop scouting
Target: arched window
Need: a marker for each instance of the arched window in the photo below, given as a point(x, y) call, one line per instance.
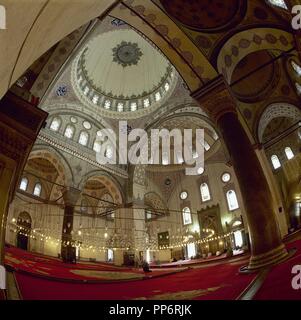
point(278, 3)
point(133, 106)
point(112, 215)
point(83, 138)
point(148, 214)
point(110, 255)
point(55, 124)
point(146, 103)
point(232, 200)
point(23, 184)
point(120, 107)
point(205, 193)
point(109, 152)
point(187, 219)
point(86, 91)
point(97, 146)
point(37, 190)
point(158, 96)
point(298, 87)
point(206, 145)
point(289, 153)
point(296, 68)
point(95, 99)
point(69, 131)
point(107, 104)
point(84, 206)
point(275, 161)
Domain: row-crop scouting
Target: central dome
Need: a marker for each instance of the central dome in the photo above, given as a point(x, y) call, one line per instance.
point(121, 71)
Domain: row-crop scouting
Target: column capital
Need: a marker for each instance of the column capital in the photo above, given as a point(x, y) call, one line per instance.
point(70, 196)
point(216, 98)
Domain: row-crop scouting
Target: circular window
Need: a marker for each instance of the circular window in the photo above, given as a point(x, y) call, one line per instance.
point(184, 195)
point(87, 125)
point(73, 120)
point(99, 133)
point(167, 182)
point(201, 170)
point(226, 177)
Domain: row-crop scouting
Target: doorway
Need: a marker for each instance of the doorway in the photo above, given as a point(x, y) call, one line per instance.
point(24, 223)
point(22, 241)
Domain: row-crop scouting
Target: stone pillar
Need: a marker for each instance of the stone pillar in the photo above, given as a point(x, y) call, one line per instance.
point(68, 252)
point(20, 123)
point(266, 244)
point(279, 207)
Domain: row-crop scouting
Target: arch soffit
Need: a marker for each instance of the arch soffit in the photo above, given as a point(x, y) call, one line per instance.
point(112, 185)
point(276, 110)
point(245, 42)
point(56, 159)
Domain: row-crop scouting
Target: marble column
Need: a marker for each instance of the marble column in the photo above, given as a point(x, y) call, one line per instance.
point(68, 252)
point(266, 243)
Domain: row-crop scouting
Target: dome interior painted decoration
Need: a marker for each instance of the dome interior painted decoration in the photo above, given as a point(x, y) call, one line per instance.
point(122, 72)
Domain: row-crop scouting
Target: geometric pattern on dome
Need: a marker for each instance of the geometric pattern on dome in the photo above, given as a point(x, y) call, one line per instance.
point(122, 72)
point(268, 76)
point(127, 54)
point(205, 14)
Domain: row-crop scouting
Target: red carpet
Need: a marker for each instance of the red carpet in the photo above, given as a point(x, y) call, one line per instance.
point(216, 282)
point(51, 268)
point(36, 257)
point(277, 285)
